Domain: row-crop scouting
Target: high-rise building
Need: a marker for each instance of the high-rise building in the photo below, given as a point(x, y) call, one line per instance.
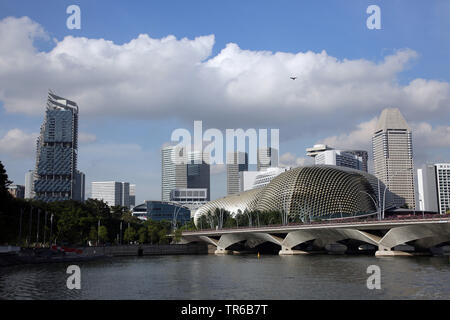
point(267, 157)
point(433, 181)
point(173, 170)
point(29, 181)
point(236, 162)
point(393, 156)
point(56, 175)
point(181, 169)
point(114, 193)
point(323, 154)
point(198, 172)
point(427, 191)
point(340, 158)
point(132, 195)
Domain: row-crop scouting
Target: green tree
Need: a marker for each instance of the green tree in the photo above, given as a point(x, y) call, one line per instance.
point(142, 235)
point(177, 235)
point(130, 235)
point(103, 234)
point(93, 235)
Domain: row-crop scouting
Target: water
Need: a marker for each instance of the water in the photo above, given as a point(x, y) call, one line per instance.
point(233, 277)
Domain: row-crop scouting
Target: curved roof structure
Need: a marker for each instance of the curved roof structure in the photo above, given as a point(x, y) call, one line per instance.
point(312, 191)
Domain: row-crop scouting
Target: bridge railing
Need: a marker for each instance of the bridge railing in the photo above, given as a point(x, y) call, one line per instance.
point(418, 216)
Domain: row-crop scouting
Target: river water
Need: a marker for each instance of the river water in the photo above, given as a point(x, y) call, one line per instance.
point(233, 277)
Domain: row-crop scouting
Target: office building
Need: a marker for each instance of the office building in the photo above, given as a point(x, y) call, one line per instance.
point(236, 162)
point(192, 198)
point(323, 154)
point(267, 157)
point(433, 182)
point(111, 192)
point(17, 191)
point(132, 195)
point(173, 172)
point(169, 211)
point(181, 169)
point(340, 158)
point(29, 181)
point(56, 175)
point(393, 156)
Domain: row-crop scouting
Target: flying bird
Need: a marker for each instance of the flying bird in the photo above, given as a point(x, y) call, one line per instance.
point(293, 78)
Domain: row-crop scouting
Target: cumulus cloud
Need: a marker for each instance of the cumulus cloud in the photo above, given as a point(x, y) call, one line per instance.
point(178, 78)
point(426, 139)
point(18, 144)
point(289, 159)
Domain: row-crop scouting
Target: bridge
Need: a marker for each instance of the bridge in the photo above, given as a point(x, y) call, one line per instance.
point(386, 236)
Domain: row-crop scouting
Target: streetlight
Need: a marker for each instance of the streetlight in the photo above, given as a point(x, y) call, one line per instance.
point(176, 210)
point(375, 203)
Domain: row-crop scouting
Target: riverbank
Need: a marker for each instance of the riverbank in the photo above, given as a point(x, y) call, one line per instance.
point(45, 255)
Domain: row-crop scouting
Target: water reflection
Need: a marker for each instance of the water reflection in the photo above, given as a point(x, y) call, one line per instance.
point(233, 277)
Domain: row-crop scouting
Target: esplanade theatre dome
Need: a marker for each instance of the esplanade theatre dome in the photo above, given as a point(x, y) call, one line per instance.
point(318, 191)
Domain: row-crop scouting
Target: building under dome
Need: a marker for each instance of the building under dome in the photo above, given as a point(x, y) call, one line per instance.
point(319, 191)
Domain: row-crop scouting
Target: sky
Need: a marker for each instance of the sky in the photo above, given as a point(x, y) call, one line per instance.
point(141, 69)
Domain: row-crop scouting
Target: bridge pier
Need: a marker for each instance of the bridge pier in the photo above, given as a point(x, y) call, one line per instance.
point(222, 251)
point(384, 251)
point(285, 251)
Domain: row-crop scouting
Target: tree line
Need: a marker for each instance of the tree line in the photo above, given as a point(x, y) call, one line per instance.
point(93, 222)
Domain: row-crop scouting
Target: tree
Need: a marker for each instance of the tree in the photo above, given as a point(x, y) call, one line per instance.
point(130, 235)
point(143, 235)
point(4, 184)
point(177, 235)
point(102, 234)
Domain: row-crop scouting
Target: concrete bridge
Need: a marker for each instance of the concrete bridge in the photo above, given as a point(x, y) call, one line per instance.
point(387, 236)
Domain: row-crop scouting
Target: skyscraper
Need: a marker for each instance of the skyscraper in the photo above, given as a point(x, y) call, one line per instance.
point(114, 193)
point(434, 187)
point(267, 157)
point(236, 163)
point(323, 154)
point(132, 195)
point(393, 156)
point(56, 174)
point(29, 181)
point(173, 171)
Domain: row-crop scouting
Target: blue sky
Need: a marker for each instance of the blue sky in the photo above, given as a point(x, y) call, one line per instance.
point(129, 143)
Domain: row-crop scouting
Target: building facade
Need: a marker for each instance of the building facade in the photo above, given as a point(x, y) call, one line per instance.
point(354, 159)
point(181, 169)
point(132, 195)
point(258, 179)
point(29, 182)
point(309, 192)
point(192, 198)
point(433, 182)
point(56, 177)
point(236, 162)
point(111, 192)
point(340, 158)
point(162, 210)
point(267, 157)
point(393, 156)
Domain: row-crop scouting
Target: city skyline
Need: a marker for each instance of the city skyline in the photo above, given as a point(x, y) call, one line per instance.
point(393, 71)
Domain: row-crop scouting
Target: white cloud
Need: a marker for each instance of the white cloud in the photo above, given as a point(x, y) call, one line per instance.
point(84, 137)
point(169, 77)
point(291, 160)
point(18, 144)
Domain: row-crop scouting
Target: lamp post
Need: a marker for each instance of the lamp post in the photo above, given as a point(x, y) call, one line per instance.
point(377, 206)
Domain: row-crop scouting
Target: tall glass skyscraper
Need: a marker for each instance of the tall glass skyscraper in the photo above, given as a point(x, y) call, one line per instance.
point(56, 174)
